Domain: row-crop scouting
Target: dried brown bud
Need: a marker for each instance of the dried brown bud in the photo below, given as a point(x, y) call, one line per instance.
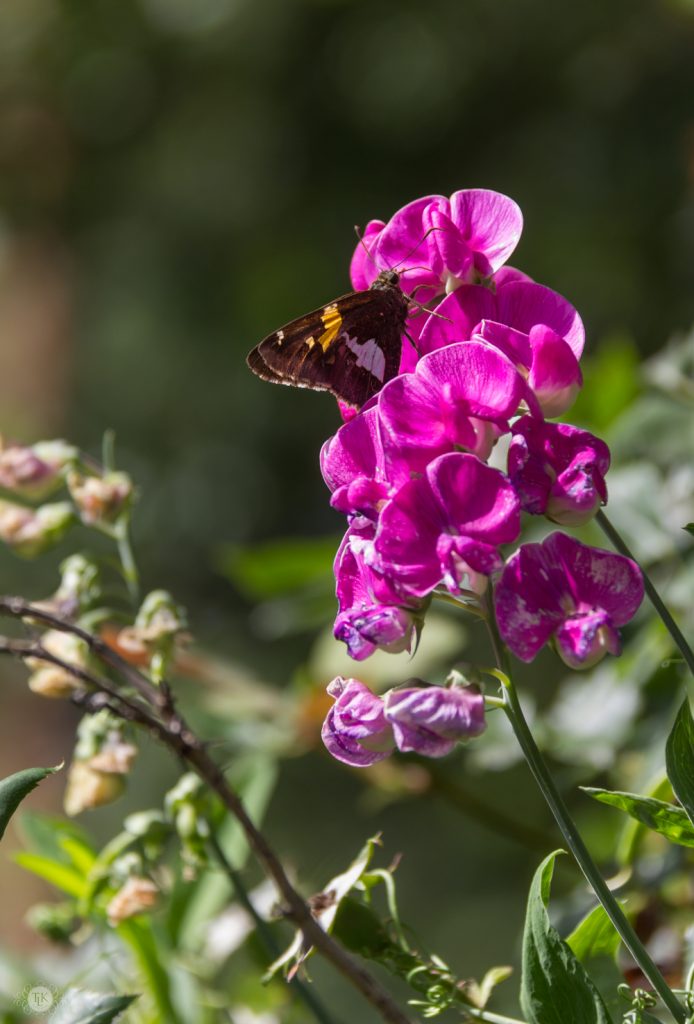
point(135, 896)
point(88, 788)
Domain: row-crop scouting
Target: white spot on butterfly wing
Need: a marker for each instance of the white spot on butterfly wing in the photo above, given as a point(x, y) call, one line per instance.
point(369, 355)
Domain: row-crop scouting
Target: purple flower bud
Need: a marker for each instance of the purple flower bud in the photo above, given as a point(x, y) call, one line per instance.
point(34, 472)
point(570, 593)
point(430, 720)
point(356, 730)
point(558, 470)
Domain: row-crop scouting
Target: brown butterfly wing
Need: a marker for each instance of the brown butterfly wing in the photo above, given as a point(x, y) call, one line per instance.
point(350, 347)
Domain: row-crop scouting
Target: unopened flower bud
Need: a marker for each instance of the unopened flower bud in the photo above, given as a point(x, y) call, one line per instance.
point(158, 623)
point(88, 788)
point(34, 472)
point(100, 499)
point(135, 897)
point(57, 922)
point(115, 757)
point(430, 720)
point(50, 680)
point(356, 730)
point(29, 531)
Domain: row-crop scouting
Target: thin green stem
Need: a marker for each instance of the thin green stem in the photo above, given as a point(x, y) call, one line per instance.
point(127, 558)
point(583, 858)
point(673, 629)
point(491, 1018)
point(265, 935)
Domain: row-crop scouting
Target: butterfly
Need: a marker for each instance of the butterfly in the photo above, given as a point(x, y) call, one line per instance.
point(350, 347)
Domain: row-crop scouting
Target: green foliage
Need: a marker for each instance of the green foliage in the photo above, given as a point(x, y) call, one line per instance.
point(595, 943)
point(79, 1006)
point(679, 759)
point(665, 819)
point(553, 979)
point(16, 787)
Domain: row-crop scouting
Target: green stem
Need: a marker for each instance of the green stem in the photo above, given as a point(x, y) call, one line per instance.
point(127, 558)
point(583, 858)
point(491, 1018)
point(137, 934)
point(265, 933)
point(673, 629)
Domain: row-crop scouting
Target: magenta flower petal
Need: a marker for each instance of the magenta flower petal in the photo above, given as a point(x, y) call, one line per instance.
point(431, 720)
point(524, 304)
point(450, 402)
point(563, 589)
point(555, 375)
point(490, 223)
point(558, 470)
point(371, 613)
point(459, 315)
point(355, 730)
point(363, 268)
point(353, 467)
point(460, 498)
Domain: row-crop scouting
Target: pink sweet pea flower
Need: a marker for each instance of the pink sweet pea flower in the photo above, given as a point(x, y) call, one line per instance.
point(459, 397)
point(445, 526)
point(558, 470)
point(436, 244)
point(564, 591)
point(356, 731)
point(353, 468)
point(430, 720)
point(371, 613)
point(535, 327)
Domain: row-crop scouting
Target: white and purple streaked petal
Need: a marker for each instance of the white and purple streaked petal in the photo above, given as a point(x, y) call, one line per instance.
point(599, 579)
point(431, 720)
point(582, 640)
point(355, 730)
point(529, 600)
point(465, 563)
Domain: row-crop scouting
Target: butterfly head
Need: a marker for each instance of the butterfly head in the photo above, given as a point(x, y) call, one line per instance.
point(387, 279)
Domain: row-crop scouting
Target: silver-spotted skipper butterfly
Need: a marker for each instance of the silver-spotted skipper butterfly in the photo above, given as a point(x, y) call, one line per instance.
point(350, 347)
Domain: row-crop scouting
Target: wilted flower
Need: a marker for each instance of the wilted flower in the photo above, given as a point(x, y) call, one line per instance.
point(34, 472)
point(100, 499)
point(29, 531)
point(135, 897)
point(558, 470)
point(356, 730)
point(570, 593)
point(88, 788)
point(50, 680)
point(430, 720)
point(158, 623)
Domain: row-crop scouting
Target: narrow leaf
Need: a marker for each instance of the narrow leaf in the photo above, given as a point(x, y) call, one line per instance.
point(553, 979)
point(15, 787)
point(665, 819)
point(679, 758)
point(79, 1006)
point(61, 876)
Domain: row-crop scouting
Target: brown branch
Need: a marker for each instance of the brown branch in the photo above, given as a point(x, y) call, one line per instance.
point(173, 731)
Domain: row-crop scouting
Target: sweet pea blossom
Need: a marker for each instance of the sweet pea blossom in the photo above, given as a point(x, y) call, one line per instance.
point(436, 243)
point(564, 591)
point(352, 465)
point(431, 720)
point(361, 728)
point(558, 470)
point(355, 730)
point(535, 327)
point(459, 397)
point(371, 612)
point(446, 526)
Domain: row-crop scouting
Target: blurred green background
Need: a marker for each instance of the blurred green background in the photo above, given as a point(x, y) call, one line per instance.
point(180, 177)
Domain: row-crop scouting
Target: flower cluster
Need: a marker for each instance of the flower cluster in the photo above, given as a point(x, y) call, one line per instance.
point(494, 353)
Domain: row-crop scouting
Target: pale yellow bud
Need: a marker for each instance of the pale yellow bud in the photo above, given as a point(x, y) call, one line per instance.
point(135, 896)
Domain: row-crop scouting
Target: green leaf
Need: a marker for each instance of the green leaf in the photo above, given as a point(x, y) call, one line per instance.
point(553, 979)
point(46, 833)
point(274, 568)
point(79, 1006)
point(665, 819)
point(595, 941)
point(65, 878)
point(689, 528)
point(679, 758)
point(15, 787)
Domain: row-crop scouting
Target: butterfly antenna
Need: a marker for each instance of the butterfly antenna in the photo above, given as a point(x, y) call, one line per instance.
point(365, 247)
point(414, 249)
